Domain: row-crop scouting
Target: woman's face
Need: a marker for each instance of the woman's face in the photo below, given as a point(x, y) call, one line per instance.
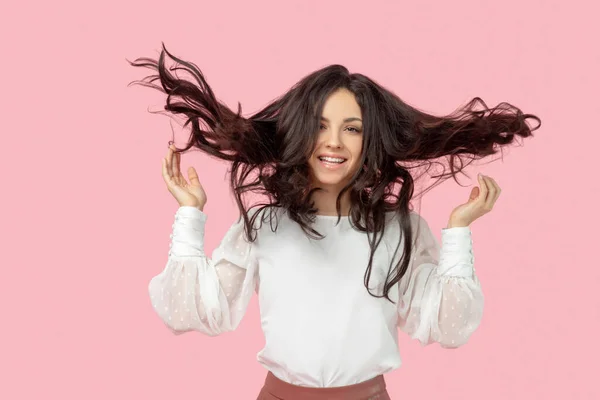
point(338, 148)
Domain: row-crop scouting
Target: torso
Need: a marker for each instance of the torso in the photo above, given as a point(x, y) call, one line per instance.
point(322, 327)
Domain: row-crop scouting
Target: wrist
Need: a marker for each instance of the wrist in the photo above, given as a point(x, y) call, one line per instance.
point(456, 224)
point(199, 207)
point(189, 214)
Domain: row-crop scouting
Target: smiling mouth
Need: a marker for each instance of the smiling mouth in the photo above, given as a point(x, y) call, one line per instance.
point(332, 160)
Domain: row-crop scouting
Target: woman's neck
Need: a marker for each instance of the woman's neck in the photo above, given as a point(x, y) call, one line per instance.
point(324, 201)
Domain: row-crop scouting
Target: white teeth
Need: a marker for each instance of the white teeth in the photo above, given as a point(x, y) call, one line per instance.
point(332, 159)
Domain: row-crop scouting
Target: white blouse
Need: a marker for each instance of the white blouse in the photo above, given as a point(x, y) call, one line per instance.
point(322, 328)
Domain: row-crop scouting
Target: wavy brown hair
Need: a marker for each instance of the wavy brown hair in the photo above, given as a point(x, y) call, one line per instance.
point(269, 150)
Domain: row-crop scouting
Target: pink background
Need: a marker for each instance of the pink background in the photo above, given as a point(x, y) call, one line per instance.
point(86, 217)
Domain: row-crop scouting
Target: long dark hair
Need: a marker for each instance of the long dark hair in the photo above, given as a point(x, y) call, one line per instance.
point(269, 150)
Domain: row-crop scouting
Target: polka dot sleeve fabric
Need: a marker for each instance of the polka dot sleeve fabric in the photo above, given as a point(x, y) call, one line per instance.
point(198, 293)
point(441, 300)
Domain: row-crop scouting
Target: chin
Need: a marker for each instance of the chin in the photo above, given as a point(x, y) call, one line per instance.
point(329, 183)
point(330, 178)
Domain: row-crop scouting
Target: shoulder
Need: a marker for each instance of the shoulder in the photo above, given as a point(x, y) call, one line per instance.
point(394, 221)
point(396, 224)
point(265, 212)
point(264, 217)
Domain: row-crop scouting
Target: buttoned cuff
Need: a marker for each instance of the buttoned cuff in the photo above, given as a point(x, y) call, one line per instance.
point(187, 237)
point(456, 253)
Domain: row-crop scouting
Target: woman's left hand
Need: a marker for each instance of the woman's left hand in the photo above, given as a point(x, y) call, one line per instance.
point(481, 201)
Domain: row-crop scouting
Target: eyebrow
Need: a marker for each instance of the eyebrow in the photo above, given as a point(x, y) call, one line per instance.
point(346, 120)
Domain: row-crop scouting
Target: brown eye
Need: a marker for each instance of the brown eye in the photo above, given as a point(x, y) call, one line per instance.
point(353, 129)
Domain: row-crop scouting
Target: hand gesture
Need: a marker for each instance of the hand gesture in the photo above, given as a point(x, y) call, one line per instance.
point(186, 194)
point(481, 201)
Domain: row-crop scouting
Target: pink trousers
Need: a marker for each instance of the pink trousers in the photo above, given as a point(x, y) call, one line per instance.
point(276, 389)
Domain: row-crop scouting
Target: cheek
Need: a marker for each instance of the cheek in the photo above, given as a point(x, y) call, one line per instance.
point(318, 145)
point(355, 148)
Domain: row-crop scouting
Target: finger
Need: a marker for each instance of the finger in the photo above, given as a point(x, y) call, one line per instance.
point(178, 165)
point(173, 163)
point(498, 189)
point(168, 159)
point(165, 172)
point(181, 178)
point(489, 201)
point(474, 194)
point(193, 176)
point(483, 189)
point(174, 169)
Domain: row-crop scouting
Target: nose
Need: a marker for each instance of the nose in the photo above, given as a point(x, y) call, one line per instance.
point(332, 140)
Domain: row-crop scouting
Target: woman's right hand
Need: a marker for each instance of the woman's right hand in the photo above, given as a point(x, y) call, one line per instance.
point(186, 193)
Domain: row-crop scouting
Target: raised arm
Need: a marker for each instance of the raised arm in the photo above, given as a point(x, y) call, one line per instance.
point(198, 293)
point(440, 296)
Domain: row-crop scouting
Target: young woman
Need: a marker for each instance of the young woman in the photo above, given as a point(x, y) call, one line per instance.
point(336, 253)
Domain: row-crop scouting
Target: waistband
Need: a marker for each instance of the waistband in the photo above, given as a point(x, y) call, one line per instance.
point(372, 389)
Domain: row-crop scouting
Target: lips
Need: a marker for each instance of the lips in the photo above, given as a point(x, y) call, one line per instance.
point(332, 160)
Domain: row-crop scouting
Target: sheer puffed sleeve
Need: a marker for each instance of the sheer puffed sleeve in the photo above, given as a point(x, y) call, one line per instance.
point(440, 296)
point(198, 293)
